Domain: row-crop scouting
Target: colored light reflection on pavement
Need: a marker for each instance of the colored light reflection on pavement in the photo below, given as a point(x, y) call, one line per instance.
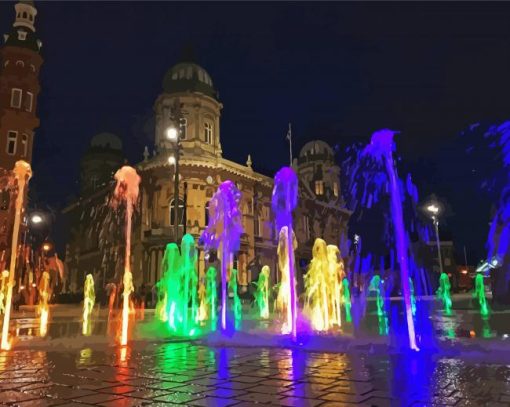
point(196, 375)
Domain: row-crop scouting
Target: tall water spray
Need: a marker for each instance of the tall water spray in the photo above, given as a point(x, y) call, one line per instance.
point(336, 274)
point(317, 287)
point(89, 299)
point(479, 295)
point(443, 292)
point(223, 233)
point(43, 308)
point(126, 191)
point(381, 149)
point(22, 174)
point(262, 293)
point(284, 201)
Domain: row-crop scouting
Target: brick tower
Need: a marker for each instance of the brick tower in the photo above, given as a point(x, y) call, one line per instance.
point(20, 62)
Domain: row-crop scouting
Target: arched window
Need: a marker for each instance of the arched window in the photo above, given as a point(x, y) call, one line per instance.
point(181, 212)
point(24, 145)
point(25, 15)
point(208, 133)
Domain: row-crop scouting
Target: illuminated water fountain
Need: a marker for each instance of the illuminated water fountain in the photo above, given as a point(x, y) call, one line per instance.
point(479, 295)
point(336, 274)
point(22, 174)
point(126, 191)
point(223, 233)
point(346, 299)
point(211, 295)
point(232, 286)
point(284, 201)
point(89, 299)
point(43, 308)
point(262, 293)
point(443, 292)
point(317, 288)
point(381, 149)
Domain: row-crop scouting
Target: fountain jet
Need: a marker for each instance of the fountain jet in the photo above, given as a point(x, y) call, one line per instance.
point(284, 201)
point(381, 149)
point(22, 174)
point(223, 233)
point(126, 191)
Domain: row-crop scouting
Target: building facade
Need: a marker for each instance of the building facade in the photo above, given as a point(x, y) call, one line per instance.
point(20, 64)
point(202, 168)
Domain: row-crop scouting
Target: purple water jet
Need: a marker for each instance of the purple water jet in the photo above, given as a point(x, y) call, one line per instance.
point(223, 233)
point(284, 201)
point(381, 149)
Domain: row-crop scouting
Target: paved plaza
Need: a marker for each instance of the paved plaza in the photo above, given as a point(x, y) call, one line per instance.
point(187, 373)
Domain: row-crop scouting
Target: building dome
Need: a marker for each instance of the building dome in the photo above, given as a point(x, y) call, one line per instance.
point(106, 140)
point(188, 77)
point(316, 150)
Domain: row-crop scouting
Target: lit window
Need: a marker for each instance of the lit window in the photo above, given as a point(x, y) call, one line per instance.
point(22, 35)
point(12, 138)
point(184, 128)
point(208, 136)
point(24, 144)
point(335, 189)
point(29, 99)
point(319, 187)
point(181, 212)
point(16, 98)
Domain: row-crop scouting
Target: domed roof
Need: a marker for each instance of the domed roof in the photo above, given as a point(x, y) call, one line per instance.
point(106, 140)
point(317, 148)
point(188, 76)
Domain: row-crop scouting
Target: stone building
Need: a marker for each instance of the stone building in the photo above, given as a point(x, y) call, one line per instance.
point(202, 168)
point(20, 64)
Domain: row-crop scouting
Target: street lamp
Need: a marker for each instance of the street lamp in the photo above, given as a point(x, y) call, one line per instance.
point(434, 211)
point(173, 134)
point(36, 219)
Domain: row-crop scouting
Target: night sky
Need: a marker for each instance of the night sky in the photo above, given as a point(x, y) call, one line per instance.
point(336, 71)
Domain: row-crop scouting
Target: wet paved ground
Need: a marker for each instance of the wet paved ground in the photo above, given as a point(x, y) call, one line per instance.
point(184, 373)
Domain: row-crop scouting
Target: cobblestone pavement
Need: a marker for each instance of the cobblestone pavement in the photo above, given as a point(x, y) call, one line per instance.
point(185, 373)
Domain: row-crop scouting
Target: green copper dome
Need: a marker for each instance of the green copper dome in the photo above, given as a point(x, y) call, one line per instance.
point(188, 77)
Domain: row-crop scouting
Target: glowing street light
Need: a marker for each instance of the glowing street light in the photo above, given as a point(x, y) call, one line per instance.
point(434, 210)
point(36, 219)
point(171, 160)
point(46, 247)
point(172, 133)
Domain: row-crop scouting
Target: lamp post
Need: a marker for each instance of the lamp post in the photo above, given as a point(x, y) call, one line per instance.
point(173, 134)
point(434, 210)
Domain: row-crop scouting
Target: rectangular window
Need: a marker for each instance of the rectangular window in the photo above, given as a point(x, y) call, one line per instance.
point(319, 187)
point(335, 189)
point(29, 100)
point(12, 138)
point(16, 98)
point(208, 133)
point(24, 144)
point(257, 229)
point(184, 128)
